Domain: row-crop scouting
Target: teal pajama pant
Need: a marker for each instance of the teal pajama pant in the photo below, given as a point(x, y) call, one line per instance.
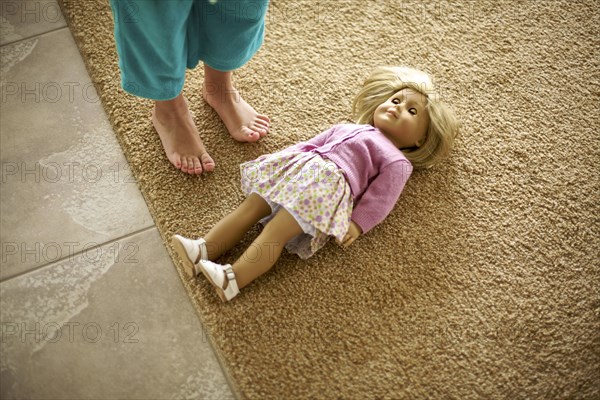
point(158, 39)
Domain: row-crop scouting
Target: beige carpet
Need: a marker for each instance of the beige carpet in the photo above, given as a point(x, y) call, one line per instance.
point(484, 281)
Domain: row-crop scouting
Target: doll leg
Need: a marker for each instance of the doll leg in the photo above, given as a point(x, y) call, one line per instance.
point(232, 228)
point(266, 249)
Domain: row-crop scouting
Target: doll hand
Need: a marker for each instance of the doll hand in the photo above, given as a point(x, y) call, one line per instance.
point(354, 232)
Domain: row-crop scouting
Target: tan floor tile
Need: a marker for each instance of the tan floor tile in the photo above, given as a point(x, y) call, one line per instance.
point(22, 19)
point(110, 323)
point(65, 183)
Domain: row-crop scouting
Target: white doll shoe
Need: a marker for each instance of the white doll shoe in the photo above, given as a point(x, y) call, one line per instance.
point(216, 273)
point(191, 252)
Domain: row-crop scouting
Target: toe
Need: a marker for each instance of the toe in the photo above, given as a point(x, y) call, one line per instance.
point(250, 134)
point(263, 118)
point(176, 161)
point(262, 132)
point(207, 162)
point(184, 164)
point(253, 136)
point(197, 166)
point(262, 124)
point(261, 128)
point(190, 165)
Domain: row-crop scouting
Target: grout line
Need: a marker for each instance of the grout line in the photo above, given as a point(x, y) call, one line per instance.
point(34, 36)
point(72, 256)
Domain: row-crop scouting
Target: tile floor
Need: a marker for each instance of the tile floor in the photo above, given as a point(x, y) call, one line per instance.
point(90, 303)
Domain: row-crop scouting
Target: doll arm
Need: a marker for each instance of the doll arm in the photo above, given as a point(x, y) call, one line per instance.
point(313, 142)
point(354, 231)
point(381, 195)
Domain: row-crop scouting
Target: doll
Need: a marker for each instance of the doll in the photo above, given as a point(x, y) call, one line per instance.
point(341, 183)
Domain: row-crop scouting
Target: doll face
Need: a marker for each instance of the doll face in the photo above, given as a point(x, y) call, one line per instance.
point(403, 118)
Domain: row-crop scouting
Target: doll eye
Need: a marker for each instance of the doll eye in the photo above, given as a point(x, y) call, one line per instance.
point(396, 100)
point(413, 111)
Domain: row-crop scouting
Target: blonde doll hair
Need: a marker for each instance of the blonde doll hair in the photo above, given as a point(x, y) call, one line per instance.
point(443, 125)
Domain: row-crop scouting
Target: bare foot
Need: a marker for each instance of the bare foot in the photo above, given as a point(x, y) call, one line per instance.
point(242, 121)
point(179, 136)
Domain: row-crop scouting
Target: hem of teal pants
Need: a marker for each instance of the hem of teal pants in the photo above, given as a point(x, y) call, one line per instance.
point(153, 95)
point(223, 67)
point(150, 94)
